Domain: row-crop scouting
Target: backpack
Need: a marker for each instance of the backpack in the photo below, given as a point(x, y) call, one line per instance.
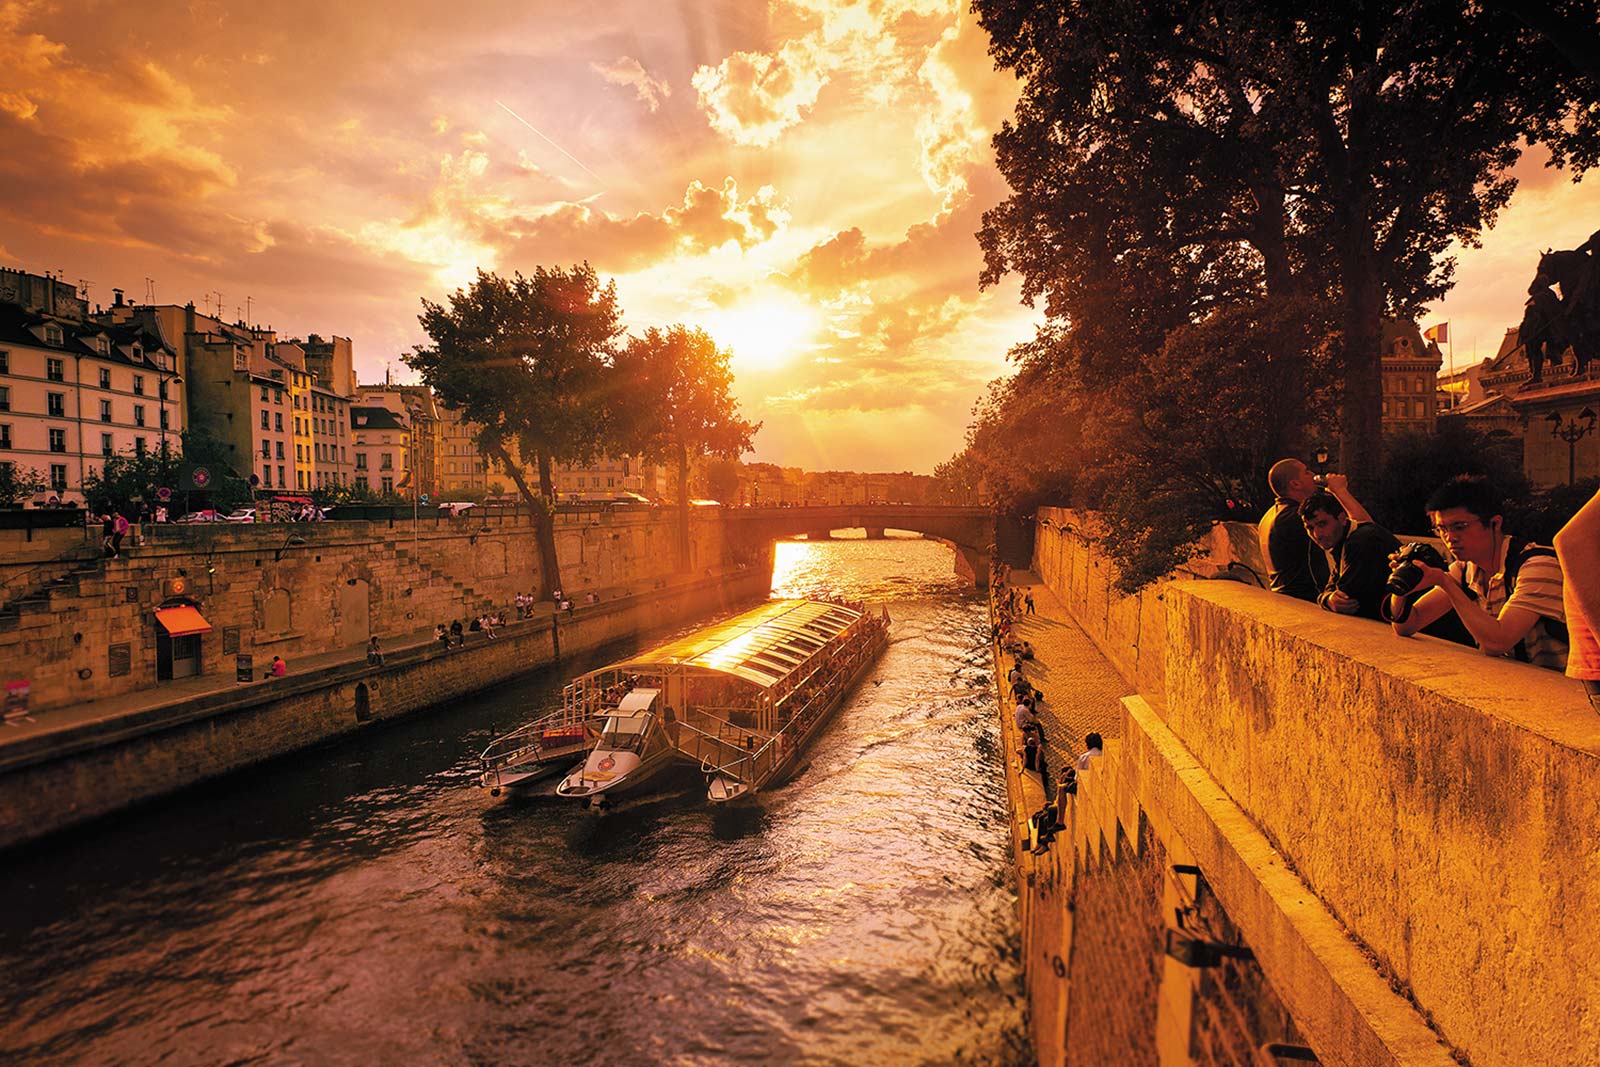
point(1518, 553)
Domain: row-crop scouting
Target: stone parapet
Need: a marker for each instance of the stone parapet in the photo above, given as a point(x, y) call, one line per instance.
point(1443, 804)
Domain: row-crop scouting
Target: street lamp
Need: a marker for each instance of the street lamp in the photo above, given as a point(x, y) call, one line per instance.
point(161, 387)
point(1572, 432)
point(1319, 457)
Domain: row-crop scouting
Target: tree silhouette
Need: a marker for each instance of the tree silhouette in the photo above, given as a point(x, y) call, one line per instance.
point(525, 358)
point(671, 401)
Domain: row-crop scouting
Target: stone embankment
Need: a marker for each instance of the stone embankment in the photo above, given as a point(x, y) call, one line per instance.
point(68, 766)
point(1394, 843)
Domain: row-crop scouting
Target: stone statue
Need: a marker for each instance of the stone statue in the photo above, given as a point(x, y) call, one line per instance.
point(1551, 324)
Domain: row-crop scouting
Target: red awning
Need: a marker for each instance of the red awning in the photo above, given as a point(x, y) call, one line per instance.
point(182, 621)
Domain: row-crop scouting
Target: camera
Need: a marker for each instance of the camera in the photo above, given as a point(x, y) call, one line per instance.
point(1406, 570)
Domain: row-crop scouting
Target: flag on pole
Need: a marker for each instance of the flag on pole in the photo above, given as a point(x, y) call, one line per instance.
point(1439, 334)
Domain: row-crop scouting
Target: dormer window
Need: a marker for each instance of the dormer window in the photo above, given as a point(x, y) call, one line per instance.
point(102, 346)
point(138, 352)
point(53, 334)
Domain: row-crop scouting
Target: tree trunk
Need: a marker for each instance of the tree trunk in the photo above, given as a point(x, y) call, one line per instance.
point(1361, 413)
point(543, 517)
point(683, 506)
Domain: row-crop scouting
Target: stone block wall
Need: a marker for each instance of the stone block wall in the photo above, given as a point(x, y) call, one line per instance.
point(296, 590)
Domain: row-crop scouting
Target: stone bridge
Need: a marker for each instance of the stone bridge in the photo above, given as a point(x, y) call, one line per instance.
point(969, 530)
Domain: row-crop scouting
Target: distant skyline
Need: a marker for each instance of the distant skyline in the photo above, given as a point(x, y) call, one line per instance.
point(803, 179)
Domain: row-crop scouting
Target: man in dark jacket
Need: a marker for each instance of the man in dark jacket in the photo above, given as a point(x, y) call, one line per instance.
point(1360, 554)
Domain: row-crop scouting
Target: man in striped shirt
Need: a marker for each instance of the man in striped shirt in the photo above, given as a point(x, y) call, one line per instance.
point(1506, 591)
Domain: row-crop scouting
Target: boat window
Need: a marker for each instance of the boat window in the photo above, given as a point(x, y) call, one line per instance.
point(624, 733)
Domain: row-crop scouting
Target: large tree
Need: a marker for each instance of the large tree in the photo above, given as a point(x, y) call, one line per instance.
point(1168, 159)
point(526, 359)
point(672, 400)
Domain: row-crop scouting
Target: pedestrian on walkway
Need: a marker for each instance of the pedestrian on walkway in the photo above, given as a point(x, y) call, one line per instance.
point(1028, 600)
point(374, 654)
point(119, 530)
point(107, 527)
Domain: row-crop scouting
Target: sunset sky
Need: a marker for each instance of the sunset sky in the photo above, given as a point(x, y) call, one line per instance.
point(802, 178)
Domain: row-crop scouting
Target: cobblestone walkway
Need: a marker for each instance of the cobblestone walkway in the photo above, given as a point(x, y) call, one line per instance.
point(1082, 691)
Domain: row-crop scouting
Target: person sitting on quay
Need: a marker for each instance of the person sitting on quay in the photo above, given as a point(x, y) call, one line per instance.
point(374, 653)
point(1360, 555)
point(1506, 591)
point(441, 635)
point(278, 668)
point(1293, 567)
point(458, 636)
point(486, 624)
point(1093, 747)
point(1577, 547)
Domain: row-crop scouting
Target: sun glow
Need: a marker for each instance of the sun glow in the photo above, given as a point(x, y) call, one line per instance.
point(764, 333)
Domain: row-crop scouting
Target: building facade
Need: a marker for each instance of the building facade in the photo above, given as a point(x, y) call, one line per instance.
point(74, 391)
point(1410, 380)
point(381, 449)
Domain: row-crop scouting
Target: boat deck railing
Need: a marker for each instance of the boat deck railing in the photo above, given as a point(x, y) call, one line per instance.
point(546, 737)
point(732, 754)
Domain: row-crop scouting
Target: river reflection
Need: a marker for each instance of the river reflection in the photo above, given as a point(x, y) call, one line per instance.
point(363, 904)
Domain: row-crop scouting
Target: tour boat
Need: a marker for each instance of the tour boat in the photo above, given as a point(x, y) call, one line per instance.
point(632, 750)
point(741, 700)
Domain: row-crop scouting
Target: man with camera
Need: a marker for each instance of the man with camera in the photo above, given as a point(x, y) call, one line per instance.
point(1506, 591)
point(1293, 566)
point(1359, 551)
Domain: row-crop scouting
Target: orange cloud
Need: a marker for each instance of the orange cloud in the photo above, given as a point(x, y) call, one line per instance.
point(629, 72)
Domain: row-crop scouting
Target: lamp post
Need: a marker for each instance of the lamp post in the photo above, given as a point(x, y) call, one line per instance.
point(161, 387)
point(1319, 458)
point(1572, 432)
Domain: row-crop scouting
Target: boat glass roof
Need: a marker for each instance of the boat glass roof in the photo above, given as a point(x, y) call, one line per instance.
point(761, 646)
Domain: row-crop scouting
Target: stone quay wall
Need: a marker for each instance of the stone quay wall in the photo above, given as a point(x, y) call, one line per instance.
point(85, 628)
point(1442, 807)
point(66, 778)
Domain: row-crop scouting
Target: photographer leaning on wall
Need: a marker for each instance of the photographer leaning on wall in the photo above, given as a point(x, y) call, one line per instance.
point(1506, 591)
point(1578, 548)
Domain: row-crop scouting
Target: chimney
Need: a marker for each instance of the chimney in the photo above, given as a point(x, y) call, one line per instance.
point(116, 298)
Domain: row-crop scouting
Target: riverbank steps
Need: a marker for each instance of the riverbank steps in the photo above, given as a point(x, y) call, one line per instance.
point(73, 765)
point(1404, 834)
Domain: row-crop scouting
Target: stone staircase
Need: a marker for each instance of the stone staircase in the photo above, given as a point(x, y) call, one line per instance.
point(53, 583)
point(471, 601)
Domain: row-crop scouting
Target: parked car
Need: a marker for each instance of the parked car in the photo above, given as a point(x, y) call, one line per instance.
point(206, 515)
point(240, 515)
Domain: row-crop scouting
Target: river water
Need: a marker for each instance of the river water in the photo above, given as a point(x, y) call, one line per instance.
point(364, 904)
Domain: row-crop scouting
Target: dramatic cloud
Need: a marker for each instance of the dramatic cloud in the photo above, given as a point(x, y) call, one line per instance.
point(627, 71)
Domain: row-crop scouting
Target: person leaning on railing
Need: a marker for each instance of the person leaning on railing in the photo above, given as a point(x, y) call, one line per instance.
point(1578, 549)
point(1506, 591)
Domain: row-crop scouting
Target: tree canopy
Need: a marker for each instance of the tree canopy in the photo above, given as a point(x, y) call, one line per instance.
point(1217, 204)
point(672, 400)
point(525, 358)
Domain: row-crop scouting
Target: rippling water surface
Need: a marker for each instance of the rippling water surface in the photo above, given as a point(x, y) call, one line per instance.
point(363, 903)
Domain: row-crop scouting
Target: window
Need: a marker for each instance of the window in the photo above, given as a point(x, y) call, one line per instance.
point(388, 485)
point(58, 440)
point(163, 418)
point(58, 477)
point(299, 452)
point(105, 377)
point(361, 461)
point(282, 481)
point(53, 334)
point(277, 421)
point(266, 423)
point(263, 394)
point(361, 482)
point(105, 411)
point(266, 449)
point(56, 405)
point(138, 414)
point(138, 385)
point(55, 369)
point(5, 362)
point(138, 446)
point(5, 398)
point(266, 474)
point(280, 449)
point(277, 396)
point(386, 462)
point(5, 435)
point(106, 448)
point(102, 346)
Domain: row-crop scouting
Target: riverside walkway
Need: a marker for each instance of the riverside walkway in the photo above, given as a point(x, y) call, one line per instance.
point(1082, 691)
